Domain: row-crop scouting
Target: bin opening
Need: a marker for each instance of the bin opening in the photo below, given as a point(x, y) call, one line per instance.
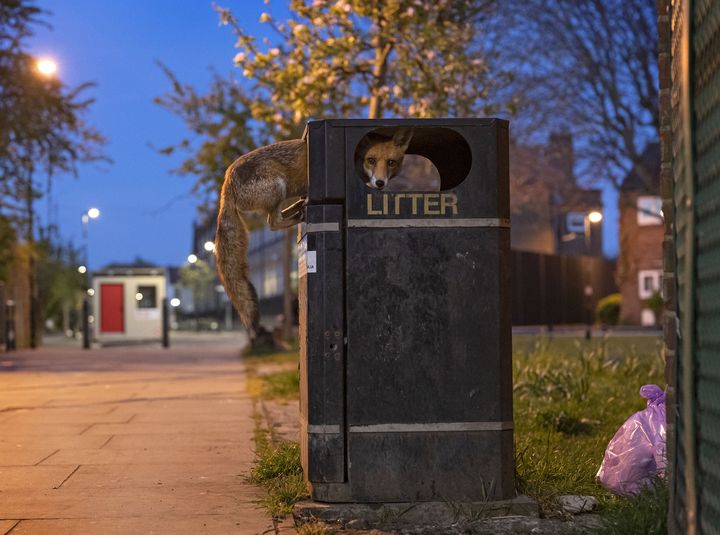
point(437, 159)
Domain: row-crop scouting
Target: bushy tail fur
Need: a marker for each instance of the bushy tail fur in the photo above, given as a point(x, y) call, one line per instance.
point(231, 247)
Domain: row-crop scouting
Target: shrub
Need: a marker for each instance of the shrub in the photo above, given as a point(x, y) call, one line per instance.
point(607, 310)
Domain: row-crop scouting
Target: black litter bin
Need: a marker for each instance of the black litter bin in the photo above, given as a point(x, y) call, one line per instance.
point(406, 377)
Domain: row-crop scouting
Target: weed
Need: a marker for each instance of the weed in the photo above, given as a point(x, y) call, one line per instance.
point(314, 528)
point(279, 471)
point(644, 513)
point(284, 384)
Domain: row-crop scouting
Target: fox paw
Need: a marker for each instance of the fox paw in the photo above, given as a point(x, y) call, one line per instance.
point(294, 212)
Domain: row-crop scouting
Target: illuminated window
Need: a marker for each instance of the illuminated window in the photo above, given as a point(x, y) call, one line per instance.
point(649, 210)
point(649, 282)
point(270, 284)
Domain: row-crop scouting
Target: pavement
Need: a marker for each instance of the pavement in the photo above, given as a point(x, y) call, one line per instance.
point(128, 440)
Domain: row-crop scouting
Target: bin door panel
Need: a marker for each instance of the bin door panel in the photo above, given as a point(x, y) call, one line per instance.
point(322, 348)
point(427, 339)
point(112, 310)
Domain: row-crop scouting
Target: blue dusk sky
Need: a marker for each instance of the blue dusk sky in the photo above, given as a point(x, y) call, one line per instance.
point(145, 210)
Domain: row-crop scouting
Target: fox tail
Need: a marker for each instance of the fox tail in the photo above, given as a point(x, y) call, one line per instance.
point(231, 247)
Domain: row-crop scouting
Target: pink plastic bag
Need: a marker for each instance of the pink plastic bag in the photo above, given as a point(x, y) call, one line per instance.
point(636, 454)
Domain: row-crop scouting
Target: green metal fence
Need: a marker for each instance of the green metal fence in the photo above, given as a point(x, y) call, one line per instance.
point(696, 167)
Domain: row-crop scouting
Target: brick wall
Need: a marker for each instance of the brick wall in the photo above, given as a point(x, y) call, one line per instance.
point(640, 248)
point(669, 283)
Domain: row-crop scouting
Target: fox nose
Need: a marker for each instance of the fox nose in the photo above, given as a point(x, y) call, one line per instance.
point(379, 183)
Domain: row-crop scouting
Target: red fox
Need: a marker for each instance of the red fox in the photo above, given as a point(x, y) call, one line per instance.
point(266, 179)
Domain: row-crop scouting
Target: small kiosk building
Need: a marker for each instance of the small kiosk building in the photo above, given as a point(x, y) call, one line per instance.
point(127, 304)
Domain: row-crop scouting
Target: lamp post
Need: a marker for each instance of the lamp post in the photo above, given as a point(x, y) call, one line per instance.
point(192, 260)
point(46, 68)
point(91, 213)
point(593, 217)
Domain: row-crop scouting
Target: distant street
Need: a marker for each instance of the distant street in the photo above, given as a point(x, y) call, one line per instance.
point(127, 440)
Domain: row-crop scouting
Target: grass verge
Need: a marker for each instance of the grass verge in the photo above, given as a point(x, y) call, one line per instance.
point(274, 376)
point(570, 397)
point(278, 470)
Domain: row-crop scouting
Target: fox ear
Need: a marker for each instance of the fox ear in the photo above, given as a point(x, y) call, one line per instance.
point(402, 137)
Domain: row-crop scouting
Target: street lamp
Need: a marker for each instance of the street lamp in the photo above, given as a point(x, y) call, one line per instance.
point(91, 213)
point(46, 67)
point(209, 246)
point(192, 258)
point(593, 217)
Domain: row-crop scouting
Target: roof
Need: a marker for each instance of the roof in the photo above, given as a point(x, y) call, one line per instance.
point(650, 162)
point(129, 271)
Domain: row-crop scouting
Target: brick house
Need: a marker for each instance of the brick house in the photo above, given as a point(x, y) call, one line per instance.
point(639, 266)
point(549, 209)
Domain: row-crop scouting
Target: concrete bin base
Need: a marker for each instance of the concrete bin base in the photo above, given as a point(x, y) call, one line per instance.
point(394, 516)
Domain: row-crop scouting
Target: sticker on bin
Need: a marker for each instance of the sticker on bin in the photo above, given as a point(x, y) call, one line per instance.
point(307, 260)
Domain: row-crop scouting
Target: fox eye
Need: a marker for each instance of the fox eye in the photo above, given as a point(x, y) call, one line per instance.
point(371, 161)
point(391, 163)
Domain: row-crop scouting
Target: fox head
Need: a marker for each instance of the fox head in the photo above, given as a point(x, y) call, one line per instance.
point(382, 157)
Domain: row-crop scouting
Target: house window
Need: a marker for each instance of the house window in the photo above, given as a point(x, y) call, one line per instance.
point(649, 210)
point(146, 296)
point(575, 222)
point(649, 282)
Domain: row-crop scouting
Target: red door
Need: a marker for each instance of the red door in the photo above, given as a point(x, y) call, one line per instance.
point(112, 312)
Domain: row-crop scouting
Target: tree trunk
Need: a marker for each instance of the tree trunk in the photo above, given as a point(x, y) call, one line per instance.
point(379, 77)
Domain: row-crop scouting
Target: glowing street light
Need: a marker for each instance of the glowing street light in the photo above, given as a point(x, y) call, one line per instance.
point(82, 269)
point(192, 258)
point(46, 66)
point(174, 302)
point(93, 213)
point(209, 246)
point(595, 216)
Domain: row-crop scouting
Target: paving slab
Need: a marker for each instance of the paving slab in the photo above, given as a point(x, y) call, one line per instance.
point(14, 478)
point(53, 442)
point(7, 525)
point(137, 476)
point(172, 452)
point(128, 440)
point(200, 524)
point(67, 416)
point(25, 456)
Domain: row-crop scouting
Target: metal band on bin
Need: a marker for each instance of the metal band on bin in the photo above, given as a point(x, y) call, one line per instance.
point(487, 222)
point(432, 427)
point(321, 227)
